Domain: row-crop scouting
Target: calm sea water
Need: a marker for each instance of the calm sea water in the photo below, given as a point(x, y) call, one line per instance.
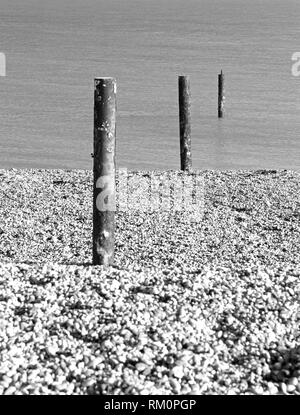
point(55, 49)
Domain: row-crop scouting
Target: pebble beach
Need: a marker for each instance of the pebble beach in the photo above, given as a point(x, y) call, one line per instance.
point(204, 303)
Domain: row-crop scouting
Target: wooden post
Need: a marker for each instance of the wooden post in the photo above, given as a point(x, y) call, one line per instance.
point(221, 97)
point(185, 122)
point(104, 202)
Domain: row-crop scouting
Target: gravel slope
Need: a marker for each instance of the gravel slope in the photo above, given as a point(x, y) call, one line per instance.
point(191, 306)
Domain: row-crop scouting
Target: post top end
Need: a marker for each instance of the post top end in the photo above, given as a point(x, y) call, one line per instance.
point(105, 78)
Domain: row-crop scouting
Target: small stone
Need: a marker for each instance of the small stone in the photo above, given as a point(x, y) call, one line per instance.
point(108, 304)
point(195, 390)
point(96, 361)
point(258, 390)
point(122, 358)
point(175, 385)
point(293, 381)
point(62, 386)
point(70, 388)
point(185, 390)
point(10, 391)
point(283, 387)
point(80, 366)
point(140, 367)
point(89, 382)
point(51, 350)
point(230, 320)
point(291, 388)
point(48, 378)
point(272, 388)
point(178, 372)
point(252, 338)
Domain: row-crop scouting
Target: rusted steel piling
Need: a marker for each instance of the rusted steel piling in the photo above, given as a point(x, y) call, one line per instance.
point(104, 197)
point(185, 122)
point(221, 96)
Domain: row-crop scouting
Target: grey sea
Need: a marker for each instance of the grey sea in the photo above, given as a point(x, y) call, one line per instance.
point(54, 49)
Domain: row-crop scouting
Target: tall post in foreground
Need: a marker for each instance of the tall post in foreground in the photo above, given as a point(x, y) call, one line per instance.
point(104, 201)
point(185, 122)
point(221, 97)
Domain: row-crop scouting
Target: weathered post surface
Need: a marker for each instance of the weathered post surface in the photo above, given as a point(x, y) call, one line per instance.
point(185, 122)
point(104, 198)
point(221, 96)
